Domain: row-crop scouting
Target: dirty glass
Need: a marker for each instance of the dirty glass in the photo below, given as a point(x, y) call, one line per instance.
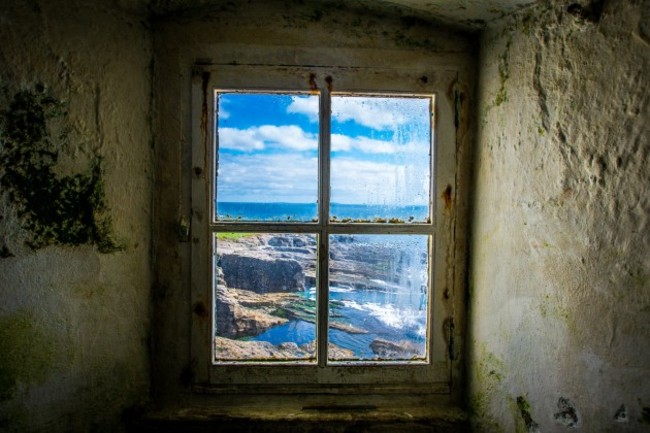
point(265, 301)
point(267, 157)
point(378, 288)
point(380, 158)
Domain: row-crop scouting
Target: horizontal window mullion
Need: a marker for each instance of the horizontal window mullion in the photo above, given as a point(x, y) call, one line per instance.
point(316, 228)
point(381, 228)
point(265, 227)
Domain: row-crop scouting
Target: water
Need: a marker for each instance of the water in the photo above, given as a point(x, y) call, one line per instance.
point(393, 316)
point(378, 284)
point(306, 212)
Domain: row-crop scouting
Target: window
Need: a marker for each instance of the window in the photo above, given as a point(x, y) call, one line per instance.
point(317, 238)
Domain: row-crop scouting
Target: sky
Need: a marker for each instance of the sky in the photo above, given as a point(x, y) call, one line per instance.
point(268, 149)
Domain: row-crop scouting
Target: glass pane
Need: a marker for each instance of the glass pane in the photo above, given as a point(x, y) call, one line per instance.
point(267, 157)
point(380, 159)
point(378, 297)
point(265, 307)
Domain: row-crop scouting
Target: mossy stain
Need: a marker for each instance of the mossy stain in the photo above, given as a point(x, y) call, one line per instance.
point(504, 74)
point(26, 353)
point(55, 210)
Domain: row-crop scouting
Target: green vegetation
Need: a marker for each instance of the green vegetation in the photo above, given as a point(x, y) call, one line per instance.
point(233, 236)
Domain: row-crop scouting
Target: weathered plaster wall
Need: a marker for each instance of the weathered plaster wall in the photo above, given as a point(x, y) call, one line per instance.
point(560, 289)
point(75, 215)
point(267, 33)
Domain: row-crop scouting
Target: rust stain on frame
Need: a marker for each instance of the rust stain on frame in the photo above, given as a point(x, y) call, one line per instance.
point(313, 86)
point(200, 310)
point(446, 196)
point(329, 80)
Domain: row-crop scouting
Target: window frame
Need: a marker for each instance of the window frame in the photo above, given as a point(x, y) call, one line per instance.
point(433, 377)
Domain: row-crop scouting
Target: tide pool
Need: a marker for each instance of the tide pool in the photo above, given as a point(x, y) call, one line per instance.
point(393, 315)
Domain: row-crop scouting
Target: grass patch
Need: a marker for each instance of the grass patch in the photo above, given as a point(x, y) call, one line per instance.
point(233, 236)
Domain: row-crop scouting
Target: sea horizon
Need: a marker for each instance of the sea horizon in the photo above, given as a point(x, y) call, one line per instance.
point(308, 212)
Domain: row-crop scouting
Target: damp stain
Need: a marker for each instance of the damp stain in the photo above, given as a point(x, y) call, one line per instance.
point(524, 411)
point(504, 74)
point(645, 415)
point(53, 209)
point(27, 354)
point(567, 414)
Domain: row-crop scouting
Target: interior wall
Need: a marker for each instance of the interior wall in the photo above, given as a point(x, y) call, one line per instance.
point(75, 215)
point(559, 288)
point(267, 33)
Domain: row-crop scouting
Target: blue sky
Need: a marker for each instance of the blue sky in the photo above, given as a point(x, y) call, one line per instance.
point(268, 149)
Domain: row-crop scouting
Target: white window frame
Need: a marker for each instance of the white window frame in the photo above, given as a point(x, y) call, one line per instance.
point(431, 377)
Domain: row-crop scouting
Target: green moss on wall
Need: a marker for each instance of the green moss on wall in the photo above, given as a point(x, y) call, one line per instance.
point(504, 74)
point(27, 354)
point(55, 210)
point(488, 376)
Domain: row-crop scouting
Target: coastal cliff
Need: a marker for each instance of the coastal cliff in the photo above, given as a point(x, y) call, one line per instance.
point(267, 280)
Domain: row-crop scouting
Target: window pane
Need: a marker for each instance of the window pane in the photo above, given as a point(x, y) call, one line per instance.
point(267, 153)
point(380, 158)
point(265, 306)
point(378, 296)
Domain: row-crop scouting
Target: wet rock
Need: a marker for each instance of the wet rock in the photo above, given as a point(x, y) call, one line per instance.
point(227, 349)
point(242, 313)
point(262, 274)
point(394, 350)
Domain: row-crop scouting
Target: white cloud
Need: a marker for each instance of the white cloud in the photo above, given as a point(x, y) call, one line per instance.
point(342, 143)
point(239, 139)
point(379, 113)
point(262, 137)
point(292, 178)
point(307, 105)
point(287, 177)
point(369, 182)
point(373, 112)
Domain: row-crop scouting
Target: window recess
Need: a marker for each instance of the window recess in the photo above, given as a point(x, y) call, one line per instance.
point(318, 243)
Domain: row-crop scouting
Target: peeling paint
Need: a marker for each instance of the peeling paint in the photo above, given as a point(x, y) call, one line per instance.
point(591, 12)
point(621, 414)
point(645, 415)
point(567, 414)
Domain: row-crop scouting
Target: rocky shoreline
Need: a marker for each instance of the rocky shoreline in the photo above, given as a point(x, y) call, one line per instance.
point(261, 284)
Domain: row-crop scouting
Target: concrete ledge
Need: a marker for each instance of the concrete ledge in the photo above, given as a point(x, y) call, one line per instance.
point(304, 414)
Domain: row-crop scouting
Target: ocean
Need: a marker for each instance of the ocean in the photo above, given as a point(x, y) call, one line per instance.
point(398, 316)
point(308, 212)
point(392, 307)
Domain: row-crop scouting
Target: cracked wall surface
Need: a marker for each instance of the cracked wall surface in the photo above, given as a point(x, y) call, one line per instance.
point(560, 275)
point(75, 204)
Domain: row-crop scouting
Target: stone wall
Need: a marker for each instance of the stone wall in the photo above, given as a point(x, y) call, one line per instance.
point(75, 215)
point(560, 289)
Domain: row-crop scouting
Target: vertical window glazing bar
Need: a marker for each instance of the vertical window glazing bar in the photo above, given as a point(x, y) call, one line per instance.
point(323, 221)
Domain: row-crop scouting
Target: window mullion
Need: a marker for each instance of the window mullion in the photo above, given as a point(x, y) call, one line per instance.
point(323, 221)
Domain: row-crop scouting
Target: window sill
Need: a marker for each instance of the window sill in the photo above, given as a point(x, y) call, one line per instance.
point(322, 413)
